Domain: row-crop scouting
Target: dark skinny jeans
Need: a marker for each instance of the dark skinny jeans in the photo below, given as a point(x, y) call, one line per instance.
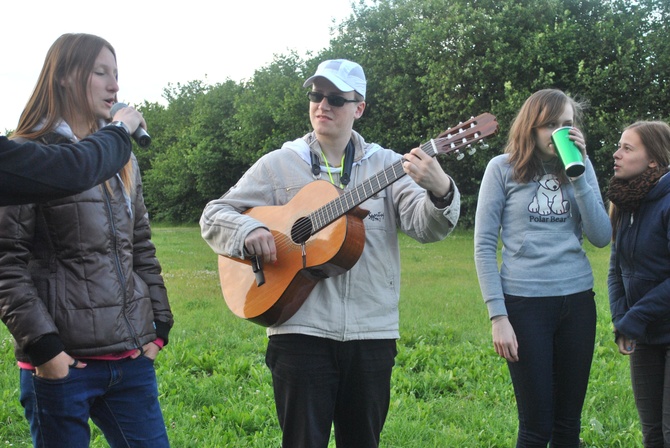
point(650, 377)
point(556, 337)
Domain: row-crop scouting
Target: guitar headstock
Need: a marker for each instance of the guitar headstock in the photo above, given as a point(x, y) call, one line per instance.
point(461, 138)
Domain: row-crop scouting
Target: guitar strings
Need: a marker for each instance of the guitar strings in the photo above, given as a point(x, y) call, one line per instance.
point(338, 207)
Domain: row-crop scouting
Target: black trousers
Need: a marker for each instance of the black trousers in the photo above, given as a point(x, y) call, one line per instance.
point(650, 377)
point(319, 382)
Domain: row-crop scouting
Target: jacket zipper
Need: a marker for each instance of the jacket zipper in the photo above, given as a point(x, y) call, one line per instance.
point(117, 264)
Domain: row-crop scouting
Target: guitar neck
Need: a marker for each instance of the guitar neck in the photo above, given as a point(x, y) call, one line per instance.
point(451, 141)
point(350, 199)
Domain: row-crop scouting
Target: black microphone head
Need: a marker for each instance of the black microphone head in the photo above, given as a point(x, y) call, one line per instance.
point(142, 138)
point(140, 135)
point(115, 108)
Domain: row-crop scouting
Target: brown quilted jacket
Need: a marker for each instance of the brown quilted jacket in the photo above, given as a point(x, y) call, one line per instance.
point(80, 274)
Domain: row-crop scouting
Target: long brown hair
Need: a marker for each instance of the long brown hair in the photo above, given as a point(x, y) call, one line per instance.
point(655, 137)
point(538, 110)
point(70, 56)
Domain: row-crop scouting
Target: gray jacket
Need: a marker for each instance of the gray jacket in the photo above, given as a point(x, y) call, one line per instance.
point(363, 302)
point(80, 274)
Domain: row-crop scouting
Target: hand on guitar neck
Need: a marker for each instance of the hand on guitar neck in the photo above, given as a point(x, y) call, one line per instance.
point(427, 172)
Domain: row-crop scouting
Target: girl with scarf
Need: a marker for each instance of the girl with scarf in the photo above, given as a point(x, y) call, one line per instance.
point(639, 274)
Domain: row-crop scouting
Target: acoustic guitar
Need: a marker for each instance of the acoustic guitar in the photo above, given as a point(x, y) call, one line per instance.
point(320, 233)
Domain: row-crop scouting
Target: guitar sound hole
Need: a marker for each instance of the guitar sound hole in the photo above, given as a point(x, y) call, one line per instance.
point(301, 231)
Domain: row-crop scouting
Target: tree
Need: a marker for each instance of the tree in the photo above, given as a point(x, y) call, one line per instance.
point(430, 64)
point(169, 185)
point(436, 62)
point(271, 110)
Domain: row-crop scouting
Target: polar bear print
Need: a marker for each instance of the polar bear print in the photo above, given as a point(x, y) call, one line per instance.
point(549, 197)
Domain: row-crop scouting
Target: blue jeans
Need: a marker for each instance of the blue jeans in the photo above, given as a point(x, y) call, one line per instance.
point(319, 382)
point(121, 397)
point(650, 377)
point(556, 337)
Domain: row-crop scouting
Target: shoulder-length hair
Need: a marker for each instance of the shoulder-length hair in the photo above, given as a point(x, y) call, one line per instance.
point(541, 108)
point(71, 58)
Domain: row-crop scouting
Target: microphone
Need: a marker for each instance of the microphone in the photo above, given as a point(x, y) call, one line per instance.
point(140, 135)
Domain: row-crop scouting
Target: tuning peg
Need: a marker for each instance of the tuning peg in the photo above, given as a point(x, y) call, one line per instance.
point(459, 155)
point(471, 150)
point(484, 145)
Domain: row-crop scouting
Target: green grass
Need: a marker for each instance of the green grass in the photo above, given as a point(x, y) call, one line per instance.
point(450, 389)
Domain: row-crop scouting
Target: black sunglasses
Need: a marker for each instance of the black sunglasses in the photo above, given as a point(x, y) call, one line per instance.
point(333, 100)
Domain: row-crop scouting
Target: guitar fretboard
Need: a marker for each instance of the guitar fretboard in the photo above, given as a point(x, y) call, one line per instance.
point(336, 208)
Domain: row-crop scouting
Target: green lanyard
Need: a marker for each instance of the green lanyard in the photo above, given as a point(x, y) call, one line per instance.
point(347, 163)
point(328, 169)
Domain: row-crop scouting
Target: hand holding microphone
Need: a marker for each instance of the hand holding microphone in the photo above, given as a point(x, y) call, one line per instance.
point(135, 122)
point(130, 117)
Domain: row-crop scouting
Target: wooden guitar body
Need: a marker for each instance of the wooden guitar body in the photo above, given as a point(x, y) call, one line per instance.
point(332, 251)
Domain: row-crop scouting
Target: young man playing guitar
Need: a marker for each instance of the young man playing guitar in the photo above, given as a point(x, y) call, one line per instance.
point(331, 360)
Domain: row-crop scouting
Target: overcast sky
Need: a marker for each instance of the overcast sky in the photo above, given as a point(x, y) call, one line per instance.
point(160, 42)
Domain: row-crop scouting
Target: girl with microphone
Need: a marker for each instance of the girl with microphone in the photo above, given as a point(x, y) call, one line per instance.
point(81, 289)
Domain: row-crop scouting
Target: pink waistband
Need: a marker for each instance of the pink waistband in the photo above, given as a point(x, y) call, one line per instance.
point(111, 357)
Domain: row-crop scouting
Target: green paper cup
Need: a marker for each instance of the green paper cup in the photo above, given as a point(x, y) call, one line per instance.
point(569, 153)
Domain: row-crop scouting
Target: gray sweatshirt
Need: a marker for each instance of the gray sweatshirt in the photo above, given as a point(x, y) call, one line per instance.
point(540, 224)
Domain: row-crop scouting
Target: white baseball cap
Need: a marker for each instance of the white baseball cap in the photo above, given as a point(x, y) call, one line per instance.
point(345, 75)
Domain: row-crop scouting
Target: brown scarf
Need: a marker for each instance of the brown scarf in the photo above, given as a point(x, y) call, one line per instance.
point(628, 194)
